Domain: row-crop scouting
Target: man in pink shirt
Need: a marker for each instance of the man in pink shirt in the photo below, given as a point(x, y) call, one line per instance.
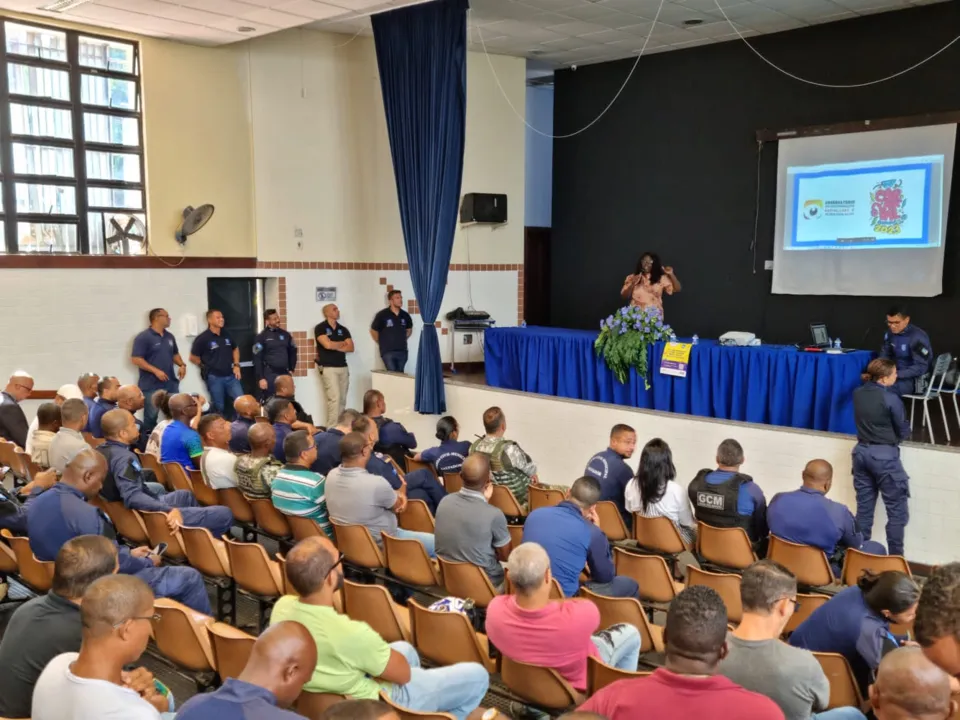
point(530, 628)
point(688, 687)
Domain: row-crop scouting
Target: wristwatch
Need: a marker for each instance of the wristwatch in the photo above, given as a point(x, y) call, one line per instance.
point(490, 714)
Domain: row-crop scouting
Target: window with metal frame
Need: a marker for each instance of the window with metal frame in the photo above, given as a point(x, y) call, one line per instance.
point(71, 142)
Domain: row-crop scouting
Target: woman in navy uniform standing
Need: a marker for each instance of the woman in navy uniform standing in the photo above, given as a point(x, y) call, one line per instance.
point(881, 427)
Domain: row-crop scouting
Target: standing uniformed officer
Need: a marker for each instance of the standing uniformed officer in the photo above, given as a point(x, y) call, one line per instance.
point(390, 329)
point(877, 470)
point(274, 353)
point(219, 360)
point(155, 352)
point(333, 343)
point(909, 347)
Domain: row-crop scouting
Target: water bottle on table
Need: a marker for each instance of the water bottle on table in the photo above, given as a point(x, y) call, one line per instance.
point(696, 339)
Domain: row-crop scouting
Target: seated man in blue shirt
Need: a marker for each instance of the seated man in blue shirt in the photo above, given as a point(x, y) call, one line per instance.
point(247, 409)
point(328, 442)
point(421, 484)
point(571, 535)
point(282, 415)
point(727, 498)
point(610, 469)
point(282, 659)
point(394, 439)
point(62, 513)
point(126, 482)
point(181, 442)
point(107, 390)
point(808, 517)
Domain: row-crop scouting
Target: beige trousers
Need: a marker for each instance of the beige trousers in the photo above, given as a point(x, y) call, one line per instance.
point(334, 381)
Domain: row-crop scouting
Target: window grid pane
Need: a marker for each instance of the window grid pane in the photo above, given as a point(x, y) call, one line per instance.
point(42, 177)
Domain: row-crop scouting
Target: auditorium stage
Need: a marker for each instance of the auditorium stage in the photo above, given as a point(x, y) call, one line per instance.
point(770, 384)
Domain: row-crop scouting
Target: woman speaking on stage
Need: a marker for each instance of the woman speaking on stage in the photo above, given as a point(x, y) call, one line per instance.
point(645, 288)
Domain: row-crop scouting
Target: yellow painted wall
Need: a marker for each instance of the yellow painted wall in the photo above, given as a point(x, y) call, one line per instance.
point(197, 141)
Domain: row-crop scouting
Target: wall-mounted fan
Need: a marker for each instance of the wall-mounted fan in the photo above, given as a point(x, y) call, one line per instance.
point(193, 220)
point(124, 235)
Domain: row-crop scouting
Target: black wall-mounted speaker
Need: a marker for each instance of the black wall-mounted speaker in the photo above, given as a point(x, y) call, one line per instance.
point(483, 208)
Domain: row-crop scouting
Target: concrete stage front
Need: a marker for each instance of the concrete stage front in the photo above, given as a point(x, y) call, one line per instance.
point(561, 435)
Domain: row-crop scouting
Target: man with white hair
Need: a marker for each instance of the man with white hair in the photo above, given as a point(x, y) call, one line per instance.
point(531, 628)
point(66, 392)
point(13, 422)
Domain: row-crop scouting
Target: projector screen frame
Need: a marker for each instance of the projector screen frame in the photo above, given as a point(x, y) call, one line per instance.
point(897, 123)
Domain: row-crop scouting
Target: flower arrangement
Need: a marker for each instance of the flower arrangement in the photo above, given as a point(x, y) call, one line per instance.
point(624, 339)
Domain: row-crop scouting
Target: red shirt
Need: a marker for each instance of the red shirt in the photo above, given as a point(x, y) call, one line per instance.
point(664, 695)
point(555, 636)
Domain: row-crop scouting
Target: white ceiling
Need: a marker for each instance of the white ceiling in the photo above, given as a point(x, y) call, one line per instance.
point(579, 32)
point(205, 22)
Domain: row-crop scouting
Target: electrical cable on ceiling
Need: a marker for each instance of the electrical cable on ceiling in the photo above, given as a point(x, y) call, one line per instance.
point(355, 35)
point(830, 85)
point(602, 113)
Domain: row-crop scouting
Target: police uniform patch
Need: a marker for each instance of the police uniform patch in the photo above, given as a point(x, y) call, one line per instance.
point(389, 323)
point(213, 344)
point(329, 331)
point(903, 348)
point(257, 347)
point(403, 321)
point(282, 337)
point(170, 342)
point(135, 464)
point(227, 342)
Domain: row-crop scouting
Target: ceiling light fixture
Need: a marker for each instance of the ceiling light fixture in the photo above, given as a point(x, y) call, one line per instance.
point(62, 5)
point(246, 29)
point(692, 22)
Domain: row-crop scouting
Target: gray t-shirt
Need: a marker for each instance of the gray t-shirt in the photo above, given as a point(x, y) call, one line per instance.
point(355, 497)
point(468, 529)
point(789, 676)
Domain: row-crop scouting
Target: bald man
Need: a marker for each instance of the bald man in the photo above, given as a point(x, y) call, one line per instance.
point(131, 399)
point(88, 387)
point(256, 470)
point(63, 512)
point(181, 442)
point(282, 660)
point(808, 517)
point(107, 390)
point(247, 409)
point(13, 423)
point(127, 482)
point(910, 687)
point(285, 388)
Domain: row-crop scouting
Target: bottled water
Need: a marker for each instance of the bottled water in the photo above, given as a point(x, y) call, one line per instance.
point(836, 344)
point(696, 339)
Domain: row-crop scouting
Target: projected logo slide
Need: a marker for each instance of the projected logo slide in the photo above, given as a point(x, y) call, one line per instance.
point(864, 205)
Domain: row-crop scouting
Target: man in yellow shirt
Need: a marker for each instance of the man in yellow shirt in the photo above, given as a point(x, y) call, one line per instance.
point(352, 659)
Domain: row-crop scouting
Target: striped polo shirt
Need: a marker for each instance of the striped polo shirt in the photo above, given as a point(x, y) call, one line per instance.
point(299, 491)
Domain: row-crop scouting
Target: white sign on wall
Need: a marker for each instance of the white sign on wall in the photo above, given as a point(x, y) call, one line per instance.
point(326, 294)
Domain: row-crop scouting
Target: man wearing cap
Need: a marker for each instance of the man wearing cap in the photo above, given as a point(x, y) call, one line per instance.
point(66, 392)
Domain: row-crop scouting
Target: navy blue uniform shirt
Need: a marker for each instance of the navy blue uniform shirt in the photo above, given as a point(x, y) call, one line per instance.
point(159, 351)
point(239, 429)
point(379, 464)
point(61, 514)
point(571, 541)
point(879, 415)
point(282, 431)
point(392, 329)
point(91, 403)
point(393, 433)
point(100, 408)
point(215, 352)
point(235, 700)
point(448, 457)
point(328, 450)
point(613, 473)
point(125, 478)
point(274, 353)
point(808, 517)
point(910, 349)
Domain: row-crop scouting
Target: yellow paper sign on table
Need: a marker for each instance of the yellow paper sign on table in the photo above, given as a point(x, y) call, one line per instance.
point(676, 359)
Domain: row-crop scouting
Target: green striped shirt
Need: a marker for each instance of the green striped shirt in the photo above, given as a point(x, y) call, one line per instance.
point(299, 491)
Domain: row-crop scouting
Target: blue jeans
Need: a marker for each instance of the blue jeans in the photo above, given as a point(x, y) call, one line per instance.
point(217, 519)
point(183, 584)
point(425, 538)
point(456, 689)
point(223, 391)
point(619, 646)
point(620, 586)
point(394, 360)
point(840, 713)
point(149, 410)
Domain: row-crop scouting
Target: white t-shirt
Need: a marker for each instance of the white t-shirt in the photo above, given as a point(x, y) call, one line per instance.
point(153, 443)
point(34, 426)
point(61, 695)
point(218, 468)
point(674, 505)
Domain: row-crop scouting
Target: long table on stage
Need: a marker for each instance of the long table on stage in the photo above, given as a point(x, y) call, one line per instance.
point(771, 384)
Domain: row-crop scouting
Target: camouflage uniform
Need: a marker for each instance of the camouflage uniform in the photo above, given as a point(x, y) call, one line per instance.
point(509, 464)
point(255, 475)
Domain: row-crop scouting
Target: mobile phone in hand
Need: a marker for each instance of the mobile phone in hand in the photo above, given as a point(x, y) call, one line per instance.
point(159, 549)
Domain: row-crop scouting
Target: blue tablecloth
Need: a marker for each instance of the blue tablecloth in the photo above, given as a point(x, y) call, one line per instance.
point(771, 384)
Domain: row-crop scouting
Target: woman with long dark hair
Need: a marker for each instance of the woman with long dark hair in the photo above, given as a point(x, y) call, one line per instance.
point(654, 492)
point(645, 288)
point(856, 621)
point(448, 456)
point(881, 426)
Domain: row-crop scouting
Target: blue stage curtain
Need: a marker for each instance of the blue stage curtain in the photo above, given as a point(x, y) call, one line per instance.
point(422, 56)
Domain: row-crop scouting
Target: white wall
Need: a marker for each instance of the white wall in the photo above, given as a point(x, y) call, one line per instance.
point(562, 435)
point(539, 157)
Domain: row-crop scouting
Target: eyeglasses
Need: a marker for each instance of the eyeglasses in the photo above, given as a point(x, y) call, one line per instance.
point(796, 603)
point(334, 566)
point(152, 618)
